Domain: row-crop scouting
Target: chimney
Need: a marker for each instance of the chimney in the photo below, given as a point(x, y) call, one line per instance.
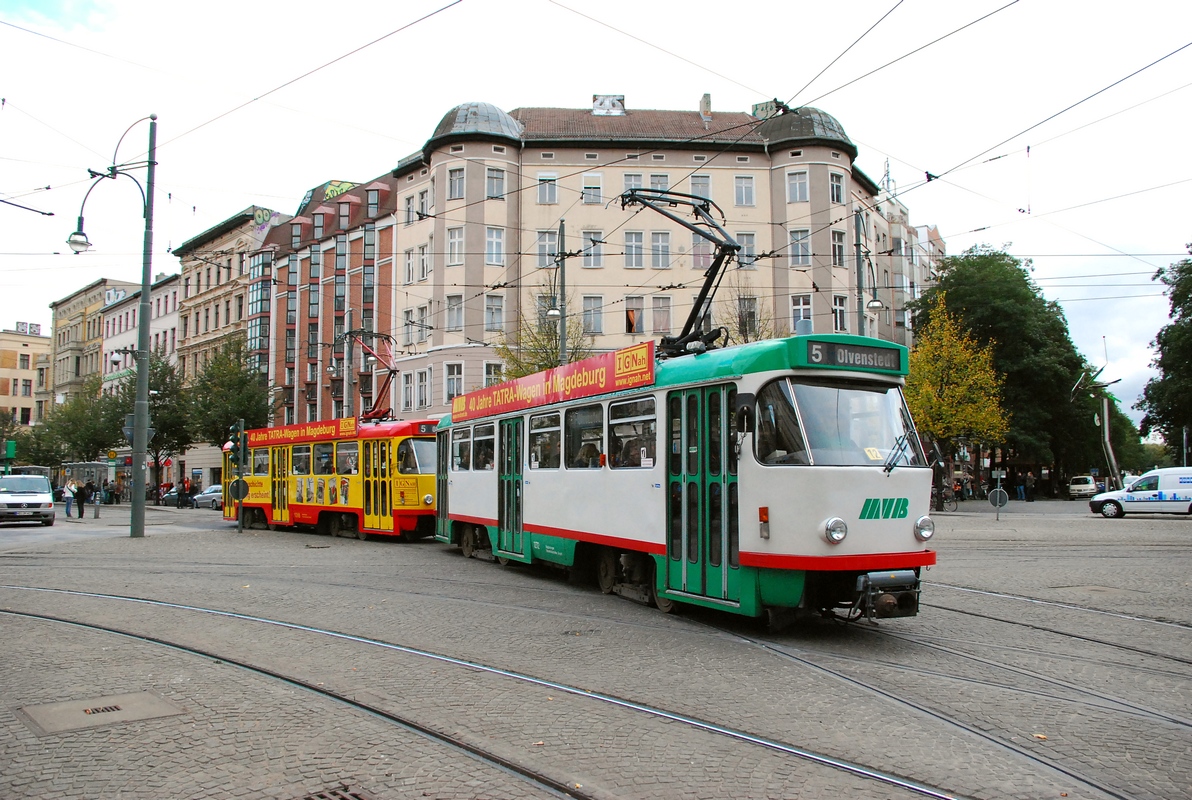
point(705, 107)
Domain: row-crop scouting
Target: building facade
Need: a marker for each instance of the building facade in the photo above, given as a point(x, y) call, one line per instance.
point(24, 359)
point(457, 248)
point(77, 338)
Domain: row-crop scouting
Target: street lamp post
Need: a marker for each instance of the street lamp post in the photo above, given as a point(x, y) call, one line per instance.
point(78, 242)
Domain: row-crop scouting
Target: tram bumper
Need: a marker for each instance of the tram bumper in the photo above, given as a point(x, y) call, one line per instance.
point(889, 593)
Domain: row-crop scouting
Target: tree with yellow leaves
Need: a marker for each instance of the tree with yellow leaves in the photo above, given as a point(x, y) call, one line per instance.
point(953, 390)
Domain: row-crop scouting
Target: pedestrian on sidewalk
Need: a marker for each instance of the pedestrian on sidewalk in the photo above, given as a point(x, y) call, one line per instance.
point(1030, 487)
point(86, 495)
point(69, 495)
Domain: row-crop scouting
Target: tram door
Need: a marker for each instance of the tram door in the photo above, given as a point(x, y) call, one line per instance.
point(442, 500)
point(509, 486)
point(702, 531)
point(279, 476)
point(378, 454)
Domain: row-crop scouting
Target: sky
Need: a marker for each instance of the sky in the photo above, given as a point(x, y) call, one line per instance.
point(1054, 133)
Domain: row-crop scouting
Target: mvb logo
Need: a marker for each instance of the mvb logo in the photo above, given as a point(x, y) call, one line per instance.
point(885, 508)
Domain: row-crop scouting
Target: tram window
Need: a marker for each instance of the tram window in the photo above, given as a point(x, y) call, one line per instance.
point(300, 460)
point(347, 457)
point(416, 457)
point(585, 437)
point(632, 434)
point(483, 447)
point(260, 462)
point(732, 431)
point(779, 439)
point(544, 441)
point(323, 459)
point(461, 449)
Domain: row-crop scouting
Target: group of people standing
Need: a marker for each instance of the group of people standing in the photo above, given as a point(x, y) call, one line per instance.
point(80, 493)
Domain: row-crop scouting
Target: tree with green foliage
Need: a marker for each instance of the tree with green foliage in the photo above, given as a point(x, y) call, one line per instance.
point(38, 444)
point(227, 389)
point(534, 345)
point(88, 424)
point(169, 411)
point(1167, 399)
point(953, 390)
point(994, 299)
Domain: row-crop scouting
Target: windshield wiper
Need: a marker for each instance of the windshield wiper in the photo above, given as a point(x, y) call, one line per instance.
point(896, 452)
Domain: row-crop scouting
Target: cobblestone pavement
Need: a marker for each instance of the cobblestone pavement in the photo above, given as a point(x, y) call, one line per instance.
point(985, 694)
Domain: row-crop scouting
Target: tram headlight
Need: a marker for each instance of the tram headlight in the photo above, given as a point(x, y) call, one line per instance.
point(924, 528)
point(430, 498)
point(835, 530)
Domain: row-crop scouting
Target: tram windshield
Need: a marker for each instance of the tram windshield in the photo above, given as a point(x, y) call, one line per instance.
point(836, 424)
point(416, 457)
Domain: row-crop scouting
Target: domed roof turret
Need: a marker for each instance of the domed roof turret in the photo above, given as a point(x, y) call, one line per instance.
point(808, 125)
point(471, 119)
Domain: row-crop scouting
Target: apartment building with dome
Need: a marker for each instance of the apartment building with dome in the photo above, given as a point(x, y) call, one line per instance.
point(456, 248)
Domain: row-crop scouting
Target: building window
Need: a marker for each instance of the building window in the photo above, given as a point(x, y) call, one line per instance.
point(494, 246)
point(662, 315)
point(373, 199)
point(592, 192)
point(407, 391)
point(800, 308)
point(423, 381)
point(370, 241)
point(455, 312)
point(423, 326)
point(341, 252)
point(743, 187)
point(494, 373)
point(593, 247)
point(701, 252)
point(800, 248)
point(454, 381)
point(408, 326)
point(633, 249)
point(295, 242)
point(593, 314)
point(316, 263)
point(455, 246)
point(410, 215)
point(408, 274)
point(660, 181)
point(345, 216)
point(747, 255)
point(494, 184)
point(633, 180)
point(455, 183)
point(839, 320)
point(548, 248)
point(494, 312)
point(747, 316)
point(836, 188)
point(838, 248)
point(701, 186)
point(635, 311)
point(23, 361)
point(423, 204)
point(27, 389)
point(796, 187)
point(423, 263)
point(660, 249)
point(548, 190)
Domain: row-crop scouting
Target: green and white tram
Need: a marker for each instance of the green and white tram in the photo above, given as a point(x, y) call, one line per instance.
point(770, 476)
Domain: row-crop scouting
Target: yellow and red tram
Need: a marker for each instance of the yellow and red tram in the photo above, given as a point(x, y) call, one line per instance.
point(340, 476)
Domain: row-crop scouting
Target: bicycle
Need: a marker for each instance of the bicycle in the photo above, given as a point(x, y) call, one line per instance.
point(949, 500)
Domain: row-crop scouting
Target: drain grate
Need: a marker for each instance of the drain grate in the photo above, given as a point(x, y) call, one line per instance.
point(344, 792)
point(74, 715)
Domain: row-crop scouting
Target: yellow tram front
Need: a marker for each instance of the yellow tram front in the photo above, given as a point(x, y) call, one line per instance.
point(340, 477)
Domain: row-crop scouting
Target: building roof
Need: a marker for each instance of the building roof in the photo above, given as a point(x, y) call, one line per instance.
point(647, 125)
point(476, 118)
point(808, 125)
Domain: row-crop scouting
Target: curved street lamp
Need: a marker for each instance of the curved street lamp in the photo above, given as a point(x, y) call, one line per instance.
point(79, 243)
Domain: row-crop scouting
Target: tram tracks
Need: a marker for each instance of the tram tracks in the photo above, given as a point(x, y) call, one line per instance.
point(536, 777)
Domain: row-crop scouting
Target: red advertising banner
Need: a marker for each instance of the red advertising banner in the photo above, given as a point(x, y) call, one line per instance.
point(611, 372)
point(344, 428)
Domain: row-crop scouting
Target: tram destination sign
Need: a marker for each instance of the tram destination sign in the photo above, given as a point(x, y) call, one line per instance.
point(848, 354)
point(629, 368)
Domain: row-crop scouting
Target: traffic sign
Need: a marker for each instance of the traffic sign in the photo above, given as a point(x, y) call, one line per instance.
point(998, 498)
point(238, 489)
point(111, 454)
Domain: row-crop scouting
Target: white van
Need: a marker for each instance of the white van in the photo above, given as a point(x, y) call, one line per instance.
point(1160, 491)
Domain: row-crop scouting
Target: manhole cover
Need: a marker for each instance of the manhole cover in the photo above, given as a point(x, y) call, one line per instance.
point(74, 715)
point(343, 793)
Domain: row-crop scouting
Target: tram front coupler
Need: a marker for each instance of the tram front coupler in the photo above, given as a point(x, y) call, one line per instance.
point(886, 594)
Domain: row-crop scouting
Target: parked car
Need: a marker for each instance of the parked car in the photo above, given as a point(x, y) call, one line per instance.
point(1081, 486)
point(211, 497)
point(26, 498)
point(171, 498)
point(1160, 491)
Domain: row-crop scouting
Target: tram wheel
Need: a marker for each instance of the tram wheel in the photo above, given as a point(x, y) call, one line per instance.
point(361, 535)
point(504, 562)
point(467, 541)
point(663, 604)
point(333, 527)
point(606, 569)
